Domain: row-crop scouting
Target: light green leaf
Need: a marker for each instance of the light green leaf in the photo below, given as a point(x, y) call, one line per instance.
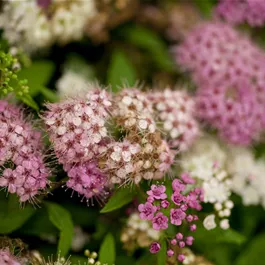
point(162, 254)
point(121, 71)
point(253, 253)
point(120, 198)
point(205, 6)
point(49, 94)
point(107, 250)
point(61, 218)
point(38, 75)
point(14, 216)
point(151, 42)
point(29, 101)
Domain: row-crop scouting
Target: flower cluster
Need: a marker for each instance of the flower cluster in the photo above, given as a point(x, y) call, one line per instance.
point(138, 232)
point(239, 12)
point(38, 24)
point(21, 162)
point(207, 169)
point(6, 258)
point(229, 71)
point(175, 111)
point(247, 180)
point(162, 211)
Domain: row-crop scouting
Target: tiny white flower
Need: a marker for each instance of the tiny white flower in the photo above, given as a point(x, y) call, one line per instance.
point(224, 224)
point(209, 222)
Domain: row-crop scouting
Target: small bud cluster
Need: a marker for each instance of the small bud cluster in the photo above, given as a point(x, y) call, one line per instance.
point(175, 211)
point(21, 162)
point(175, 111)
point(138, 233)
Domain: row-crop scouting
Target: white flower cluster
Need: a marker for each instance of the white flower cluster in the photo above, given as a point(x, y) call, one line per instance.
point(72, 84)
point(36, 27)
point(138, 232)
point(205, 162)
point(247, 175)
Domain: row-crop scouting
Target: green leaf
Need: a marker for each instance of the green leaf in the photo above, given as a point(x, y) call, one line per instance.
point(49, 94)
point(61, 218)
point(151, 42)
point(120, 198)
point(38, 75)
point(121, 71)
point(107, 250)
point(29, 101)
point(13, 217)
point(253, 253)
point(205, 6)
point(162, 254)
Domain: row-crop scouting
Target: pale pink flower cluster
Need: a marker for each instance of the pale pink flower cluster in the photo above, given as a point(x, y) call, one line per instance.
point(156, 209)
point(175, 112)
point(21, 161)
point(229, 71)
point(6, 258)
point(238, 11)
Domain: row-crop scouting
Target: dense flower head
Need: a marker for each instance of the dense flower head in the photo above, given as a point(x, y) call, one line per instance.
point(175, 112)
point(6, 258)
point(177, 211)
point(238, 11)
point(21, 162)
point(133, 111)
point(138, 233)
point(77, 127)
point(229, 70)
point(38, 24)
point(86, 179)
point(201, 163)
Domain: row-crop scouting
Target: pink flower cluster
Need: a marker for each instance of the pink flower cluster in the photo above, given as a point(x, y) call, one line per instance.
point(21, 162)
point(175, 111)
point(162, 211)
point(7, 259)
point(229, 71)
point(238, 11)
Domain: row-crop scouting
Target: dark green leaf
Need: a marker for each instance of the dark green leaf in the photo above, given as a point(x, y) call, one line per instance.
point(38, 75)
point(151, 42)
point(29, 101)
point(120, 198)
point(13, 217)
point(162, 254)
point(253, 253)
point(107, 250)
point(121, 71)
point(61, 218)
point(49, 94)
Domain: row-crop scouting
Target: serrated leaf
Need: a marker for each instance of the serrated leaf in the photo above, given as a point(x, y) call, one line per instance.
point(121, 71)
point(61, 218)
point(107, 250)
point(120, 198)
point(162, 254)
point(151, 42)
point(37, 74)
point(14, 216)
point(253, 253)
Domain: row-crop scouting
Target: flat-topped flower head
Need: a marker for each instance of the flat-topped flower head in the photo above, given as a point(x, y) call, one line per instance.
point(21, 161)
point(175, 113)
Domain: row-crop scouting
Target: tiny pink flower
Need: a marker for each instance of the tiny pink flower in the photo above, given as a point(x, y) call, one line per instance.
point(177, 198)
point(187, 178)
point(160, 222)
point(189, 240)
point(177, 185)
point(164, 204)
point(179, 236)
point(147, 211)
point(170, 252)
point(181, 244)
point(193, 227)
point(181, 258)
point(155, 247)
point(173, 242)
point(158, 192)
point(176, 216)
point(189, 218)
